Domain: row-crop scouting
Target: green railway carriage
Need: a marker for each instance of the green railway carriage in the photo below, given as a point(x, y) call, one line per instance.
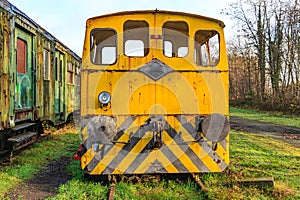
point(38, 79)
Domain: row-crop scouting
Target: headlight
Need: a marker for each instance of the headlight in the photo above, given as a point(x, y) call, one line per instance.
point(104, 97)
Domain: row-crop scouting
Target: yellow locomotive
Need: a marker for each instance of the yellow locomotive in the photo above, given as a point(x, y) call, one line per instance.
point(154, 94)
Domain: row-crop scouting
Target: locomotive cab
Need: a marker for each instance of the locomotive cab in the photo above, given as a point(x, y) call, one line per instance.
point(154, 94)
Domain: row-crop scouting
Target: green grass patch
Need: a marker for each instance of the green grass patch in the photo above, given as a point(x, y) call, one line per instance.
point(165, 189)
point(251, 155)
point(83, 190)
point(24, 165)
point(270, 117)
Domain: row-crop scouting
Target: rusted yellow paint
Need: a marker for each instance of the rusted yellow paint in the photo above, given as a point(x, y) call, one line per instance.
point(175, 93)
point(188, 90)
point(126, 89)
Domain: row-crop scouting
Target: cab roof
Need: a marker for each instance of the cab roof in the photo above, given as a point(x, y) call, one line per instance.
point(165, 12)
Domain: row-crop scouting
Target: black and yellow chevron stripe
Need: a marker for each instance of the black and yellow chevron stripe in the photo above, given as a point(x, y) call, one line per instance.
point(183, 149)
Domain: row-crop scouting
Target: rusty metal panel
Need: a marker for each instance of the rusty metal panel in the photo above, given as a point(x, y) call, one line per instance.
point(69, 98)
point(47, 99)
point(24, 67)
point(5, 40)
point(38, 109)
point(59, 85)
point(48, 84)
point(154, 118)
point(24, 93)
point(45, 105)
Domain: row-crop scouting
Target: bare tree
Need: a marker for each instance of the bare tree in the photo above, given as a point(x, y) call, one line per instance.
point(266, 53)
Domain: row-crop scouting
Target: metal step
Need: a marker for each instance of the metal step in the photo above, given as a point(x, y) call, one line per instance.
point(60, 123)
point(20, 141)
point(23, 126)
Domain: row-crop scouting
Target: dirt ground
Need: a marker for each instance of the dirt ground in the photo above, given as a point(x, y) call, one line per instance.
point(288, 134)
point(46, 182)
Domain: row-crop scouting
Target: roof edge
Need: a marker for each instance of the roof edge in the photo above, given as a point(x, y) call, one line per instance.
point(156, 11)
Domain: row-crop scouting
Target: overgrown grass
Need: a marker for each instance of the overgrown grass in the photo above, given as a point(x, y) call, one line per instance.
point(29, 161)
point(254, 155)
point(80, 189)
point(251, 155)
point(275, 118)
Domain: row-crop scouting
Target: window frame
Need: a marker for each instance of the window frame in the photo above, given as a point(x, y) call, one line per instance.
point(145, 45)
point(130, 52)
point(77, 75)
point(93, 53)
point(168, 40)
point(164, 49)
point(70, 71)
point(115, 54)
point(46, 51)
point(56, 68)
point(207, 45)
point(21, 69)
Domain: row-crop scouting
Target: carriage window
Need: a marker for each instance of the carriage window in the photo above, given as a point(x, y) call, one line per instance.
point(77, 82)
point(21, 56)
point(56, 69)
point(207, 48)
point(136, 38)
point(175, 36)
point(46, 64)
point(70, 73)
point(60, 70)
point(103, 46)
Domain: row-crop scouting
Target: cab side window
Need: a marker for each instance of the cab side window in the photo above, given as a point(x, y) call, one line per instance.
point(103, 46)
point(175, 39)
point(136, 38)
point(207, 48)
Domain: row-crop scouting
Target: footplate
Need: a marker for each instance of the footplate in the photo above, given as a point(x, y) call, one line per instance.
point(23, 140)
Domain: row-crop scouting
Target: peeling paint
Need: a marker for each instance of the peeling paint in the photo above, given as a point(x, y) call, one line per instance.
point(26, 95)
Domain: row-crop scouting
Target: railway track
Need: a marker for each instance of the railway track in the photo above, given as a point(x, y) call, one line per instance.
point(236, 123)
point(113, 180)
point(288, 134)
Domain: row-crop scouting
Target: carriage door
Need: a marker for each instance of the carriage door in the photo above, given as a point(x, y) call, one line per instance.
point(25, 64)
point(59, 86)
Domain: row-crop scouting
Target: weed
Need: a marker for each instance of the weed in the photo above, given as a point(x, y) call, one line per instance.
point(252, 155)
point(26, 164)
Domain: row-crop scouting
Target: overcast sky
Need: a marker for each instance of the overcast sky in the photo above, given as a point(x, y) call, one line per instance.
point(65, 19)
